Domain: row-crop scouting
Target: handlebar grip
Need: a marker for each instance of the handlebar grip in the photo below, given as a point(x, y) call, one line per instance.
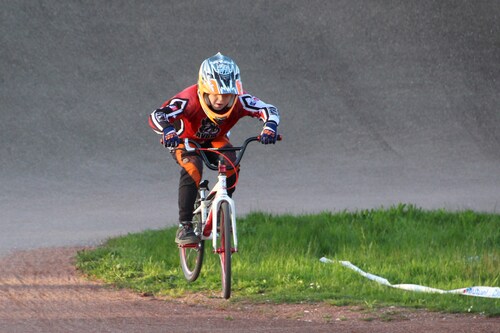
point(279, 138)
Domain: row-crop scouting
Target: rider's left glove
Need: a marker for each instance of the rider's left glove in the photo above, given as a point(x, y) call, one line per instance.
point(170, 137)
point(269, 133)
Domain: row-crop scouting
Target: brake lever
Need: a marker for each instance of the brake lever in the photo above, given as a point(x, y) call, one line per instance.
point(187, 146)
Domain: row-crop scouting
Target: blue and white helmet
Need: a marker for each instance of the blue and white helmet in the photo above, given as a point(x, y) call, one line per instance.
point(218, 75)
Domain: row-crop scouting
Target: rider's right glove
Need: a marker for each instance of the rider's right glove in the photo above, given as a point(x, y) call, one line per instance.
point(269, 133)
point(170, 138)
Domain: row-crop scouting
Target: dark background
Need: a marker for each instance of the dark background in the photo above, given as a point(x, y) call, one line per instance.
point(382, 102)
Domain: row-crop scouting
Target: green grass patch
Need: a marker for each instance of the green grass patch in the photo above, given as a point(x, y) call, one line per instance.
point(278, 259)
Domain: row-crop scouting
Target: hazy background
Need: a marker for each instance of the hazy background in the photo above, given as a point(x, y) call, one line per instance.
point(382, 102)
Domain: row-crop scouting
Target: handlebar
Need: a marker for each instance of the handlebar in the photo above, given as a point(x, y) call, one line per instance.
point(210, 165)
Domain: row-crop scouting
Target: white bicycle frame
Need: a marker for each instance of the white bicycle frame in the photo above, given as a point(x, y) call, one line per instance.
point(208, 208)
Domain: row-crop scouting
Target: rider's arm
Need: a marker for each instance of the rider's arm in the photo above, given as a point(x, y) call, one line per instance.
point(267, 113)
point(164, 117)
point(258, 109)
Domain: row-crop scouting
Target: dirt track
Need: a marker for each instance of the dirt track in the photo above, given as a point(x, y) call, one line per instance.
point(40, 291)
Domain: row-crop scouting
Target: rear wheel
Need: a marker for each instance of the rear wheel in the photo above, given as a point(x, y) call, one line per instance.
point(224, 219)
point(191, 255)
point(192, 260)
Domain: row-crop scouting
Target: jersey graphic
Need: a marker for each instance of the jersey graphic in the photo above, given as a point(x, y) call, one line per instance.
point(208, 130)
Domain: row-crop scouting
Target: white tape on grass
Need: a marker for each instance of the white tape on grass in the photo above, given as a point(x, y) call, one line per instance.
point(478, 291)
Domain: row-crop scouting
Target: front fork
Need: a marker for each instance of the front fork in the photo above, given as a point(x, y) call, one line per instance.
point(208, 212)
point(215, 223)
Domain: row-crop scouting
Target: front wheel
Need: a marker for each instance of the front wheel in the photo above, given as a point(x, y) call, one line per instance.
point(224, 219)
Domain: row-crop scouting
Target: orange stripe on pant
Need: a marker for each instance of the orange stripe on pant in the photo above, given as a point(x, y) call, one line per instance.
point(190, 162)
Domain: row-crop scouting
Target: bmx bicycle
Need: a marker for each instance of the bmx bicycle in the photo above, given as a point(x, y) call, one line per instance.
point(214, 216)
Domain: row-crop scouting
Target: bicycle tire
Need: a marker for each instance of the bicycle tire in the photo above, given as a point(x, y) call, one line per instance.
point(192, 260)
point(192, 257)
point(224, 219)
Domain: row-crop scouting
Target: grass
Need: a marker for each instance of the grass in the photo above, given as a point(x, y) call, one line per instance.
point(278, 259)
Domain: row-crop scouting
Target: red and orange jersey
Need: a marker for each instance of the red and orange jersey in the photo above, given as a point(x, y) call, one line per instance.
point(184, 111)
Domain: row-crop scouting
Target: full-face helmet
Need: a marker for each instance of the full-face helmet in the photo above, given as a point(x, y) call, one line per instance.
point(218, 75)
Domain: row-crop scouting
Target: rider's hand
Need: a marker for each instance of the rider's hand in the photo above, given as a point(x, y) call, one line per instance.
point(269, 133)
point(170, 138)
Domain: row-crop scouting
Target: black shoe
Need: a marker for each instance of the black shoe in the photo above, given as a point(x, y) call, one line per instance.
point(186, 235)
